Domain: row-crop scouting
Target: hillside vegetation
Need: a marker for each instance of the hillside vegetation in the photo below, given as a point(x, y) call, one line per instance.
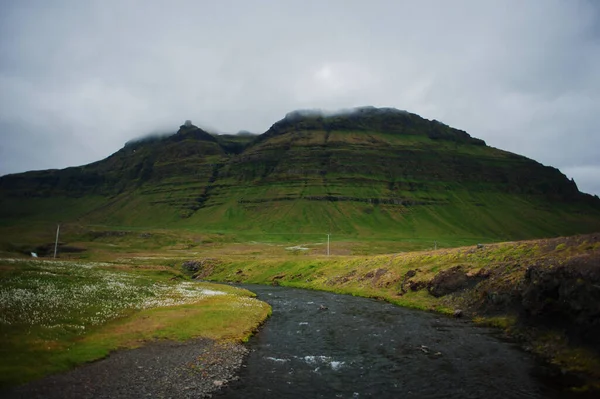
point(372, 173)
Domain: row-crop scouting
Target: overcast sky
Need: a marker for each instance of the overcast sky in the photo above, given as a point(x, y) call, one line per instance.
point(80, 78)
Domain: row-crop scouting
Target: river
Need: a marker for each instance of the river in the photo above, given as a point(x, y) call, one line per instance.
point(363, 348)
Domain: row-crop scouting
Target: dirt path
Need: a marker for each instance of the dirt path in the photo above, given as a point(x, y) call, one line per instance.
point(164, 369)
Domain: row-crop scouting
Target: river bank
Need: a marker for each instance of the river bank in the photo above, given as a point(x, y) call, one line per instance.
point(544, 293)
point(161, 369)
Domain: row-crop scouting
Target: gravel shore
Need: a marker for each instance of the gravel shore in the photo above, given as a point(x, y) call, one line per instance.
point(162, 369)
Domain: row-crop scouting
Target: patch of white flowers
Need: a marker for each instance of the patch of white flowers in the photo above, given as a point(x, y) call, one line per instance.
point(246, 302)
point(75, 295)
point(180, 294)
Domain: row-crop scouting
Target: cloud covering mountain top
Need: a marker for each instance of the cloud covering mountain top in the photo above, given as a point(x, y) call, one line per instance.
point(79, 79)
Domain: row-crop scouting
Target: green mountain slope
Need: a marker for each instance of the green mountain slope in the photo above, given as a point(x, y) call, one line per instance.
point(367, 173)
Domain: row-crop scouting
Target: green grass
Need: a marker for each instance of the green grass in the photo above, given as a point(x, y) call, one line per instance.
point(58, 314)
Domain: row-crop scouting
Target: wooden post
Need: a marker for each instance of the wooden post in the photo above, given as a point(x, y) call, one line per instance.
point(56, 242)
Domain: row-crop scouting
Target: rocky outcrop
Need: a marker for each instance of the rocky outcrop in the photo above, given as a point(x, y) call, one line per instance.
point(560, 294)
point(201, 268)
point(406, 281)
point(452, 280)
point(568, 291)
point(340, 198)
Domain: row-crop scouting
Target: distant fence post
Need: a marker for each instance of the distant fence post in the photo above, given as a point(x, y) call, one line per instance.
point(56, 242)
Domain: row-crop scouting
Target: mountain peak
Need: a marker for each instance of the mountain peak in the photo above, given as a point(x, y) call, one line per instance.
point(345, 112)
point(189, 131)
point(187, 127)
point(369, 118)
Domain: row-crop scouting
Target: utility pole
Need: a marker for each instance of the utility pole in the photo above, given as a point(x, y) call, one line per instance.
point(328, 234)
point(56, 242)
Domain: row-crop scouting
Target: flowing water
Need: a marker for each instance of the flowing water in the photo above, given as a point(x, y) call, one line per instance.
point(362, 348)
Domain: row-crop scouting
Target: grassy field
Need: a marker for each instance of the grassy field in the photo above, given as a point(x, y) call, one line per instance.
point(148, 262)
point(55, 315)
point(110, 242)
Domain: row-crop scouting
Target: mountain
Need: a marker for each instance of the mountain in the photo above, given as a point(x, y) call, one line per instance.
point(366, 172)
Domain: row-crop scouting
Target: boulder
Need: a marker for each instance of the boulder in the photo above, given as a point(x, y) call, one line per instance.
point(191, 265)
point(416, 285)
point(409, 274)
point(448, 281)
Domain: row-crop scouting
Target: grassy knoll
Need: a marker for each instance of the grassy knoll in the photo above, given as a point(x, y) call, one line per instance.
point(55, 315)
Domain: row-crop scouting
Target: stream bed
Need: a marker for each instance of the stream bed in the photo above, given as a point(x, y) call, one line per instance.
point(363, 348)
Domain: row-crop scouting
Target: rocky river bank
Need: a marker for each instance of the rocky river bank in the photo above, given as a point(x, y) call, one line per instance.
point(161, 369)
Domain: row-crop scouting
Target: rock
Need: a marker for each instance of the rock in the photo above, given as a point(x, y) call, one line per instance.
point(218, 383)
point(374, 275)
point(323, 307)
point(455, 279)
point(201, 268)
point(407, 276)
point(191, 265)
point(458, 313)
point(416, 285)
point(275, 279)
point(448, 281)
point(567, 291)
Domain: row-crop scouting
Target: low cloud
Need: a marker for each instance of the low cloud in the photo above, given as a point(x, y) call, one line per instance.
point(80, 79)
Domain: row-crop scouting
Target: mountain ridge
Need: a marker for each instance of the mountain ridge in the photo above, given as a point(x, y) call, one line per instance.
point(387, 120)
point(360, 171)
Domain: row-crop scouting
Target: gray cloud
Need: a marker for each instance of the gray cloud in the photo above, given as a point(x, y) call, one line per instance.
point(79, 79)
